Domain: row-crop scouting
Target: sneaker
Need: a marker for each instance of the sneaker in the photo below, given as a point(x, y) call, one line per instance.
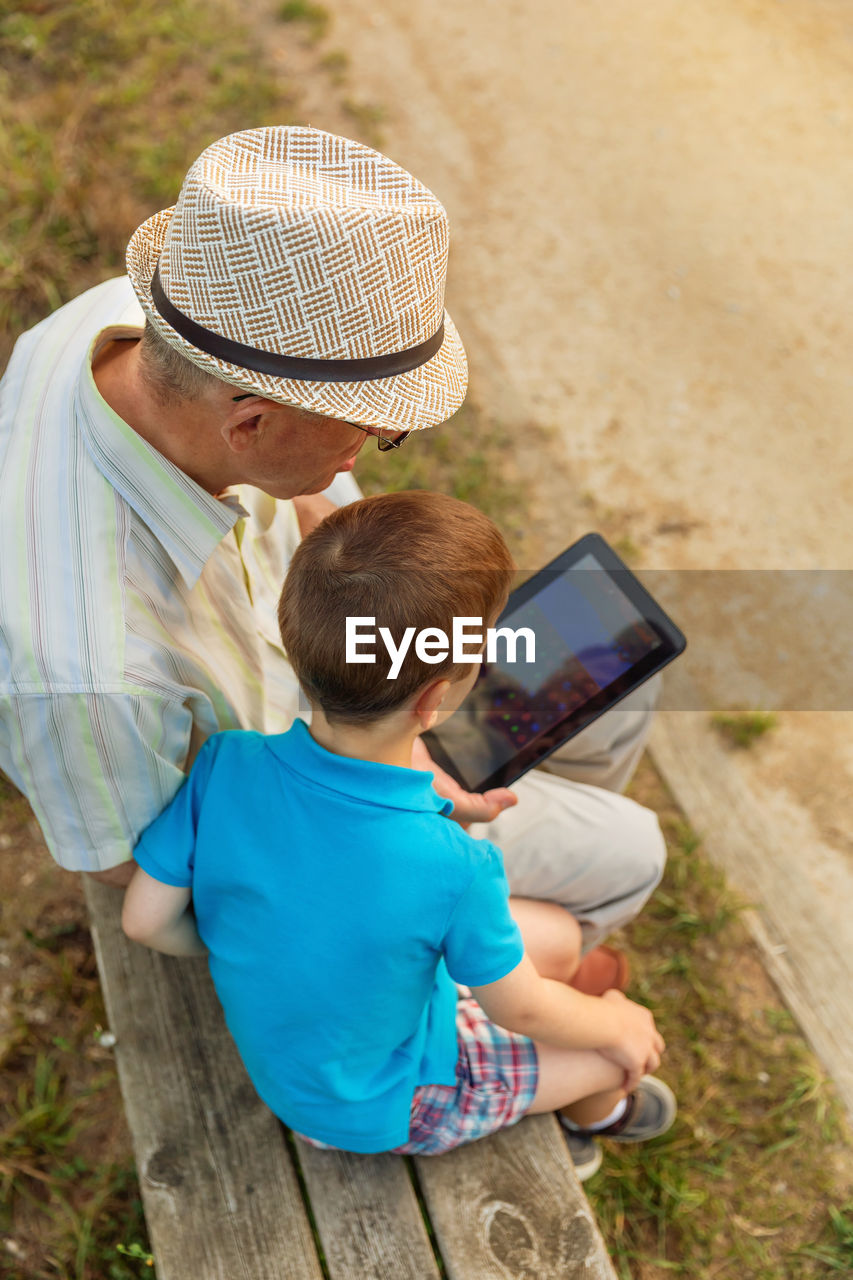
point(601, 970)
point(584, 1150)
point(651, 1110)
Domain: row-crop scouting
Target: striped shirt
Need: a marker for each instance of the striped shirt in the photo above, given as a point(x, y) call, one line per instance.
point(137, 611)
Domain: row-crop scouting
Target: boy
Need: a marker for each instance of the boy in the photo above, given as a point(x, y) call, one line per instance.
point(340, 905)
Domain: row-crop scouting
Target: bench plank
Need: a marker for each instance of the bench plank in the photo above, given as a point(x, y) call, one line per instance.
point(221, 1196)
point(367, 1216)
point(510, 1207)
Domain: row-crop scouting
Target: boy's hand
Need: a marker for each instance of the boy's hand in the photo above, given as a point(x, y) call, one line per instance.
point(640, 1045)
point(468, 806)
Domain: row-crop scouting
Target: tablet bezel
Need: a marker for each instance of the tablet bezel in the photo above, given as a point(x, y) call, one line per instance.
point(673, 642)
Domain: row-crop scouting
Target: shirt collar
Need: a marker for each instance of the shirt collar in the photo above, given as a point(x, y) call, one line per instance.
point(187, 520)
point(386, 785)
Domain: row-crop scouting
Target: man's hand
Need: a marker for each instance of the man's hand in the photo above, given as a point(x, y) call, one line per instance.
point(468, 806)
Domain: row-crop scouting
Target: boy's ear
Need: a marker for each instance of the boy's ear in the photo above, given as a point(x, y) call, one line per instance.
point(429, 701)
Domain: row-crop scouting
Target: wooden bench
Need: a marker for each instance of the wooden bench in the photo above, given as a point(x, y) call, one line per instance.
point(229, 1194)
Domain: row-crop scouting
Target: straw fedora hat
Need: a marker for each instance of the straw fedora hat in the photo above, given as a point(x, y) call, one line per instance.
point(311, 269)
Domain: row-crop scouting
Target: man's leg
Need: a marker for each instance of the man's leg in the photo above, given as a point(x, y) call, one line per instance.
point(607, 752)
point(584, 846)
point(598, 854)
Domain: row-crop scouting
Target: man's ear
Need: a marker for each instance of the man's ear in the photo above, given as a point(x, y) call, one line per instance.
point(241, 428)
point(429, 702)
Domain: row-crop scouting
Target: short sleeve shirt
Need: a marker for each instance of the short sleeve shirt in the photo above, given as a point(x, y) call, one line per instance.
point(339, 905)
point(137, 611)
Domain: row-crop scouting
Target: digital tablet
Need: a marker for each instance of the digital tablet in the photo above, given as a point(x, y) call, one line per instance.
point(598, 635)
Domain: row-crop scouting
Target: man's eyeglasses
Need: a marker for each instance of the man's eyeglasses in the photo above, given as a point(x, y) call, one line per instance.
point(385, 439)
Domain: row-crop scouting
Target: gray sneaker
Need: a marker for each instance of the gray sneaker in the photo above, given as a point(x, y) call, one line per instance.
point(584, 1150)
point(651, 1110)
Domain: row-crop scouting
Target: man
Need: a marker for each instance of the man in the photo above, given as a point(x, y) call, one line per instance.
point(165, 440)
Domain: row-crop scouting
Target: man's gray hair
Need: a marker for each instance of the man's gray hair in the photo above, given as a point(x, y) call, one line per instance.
point(170, 375)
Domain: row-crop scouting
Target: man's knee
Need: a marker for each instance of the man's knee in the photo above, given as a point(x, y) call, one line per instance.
point(647, 849)
point(607, 752)
point(631, 869)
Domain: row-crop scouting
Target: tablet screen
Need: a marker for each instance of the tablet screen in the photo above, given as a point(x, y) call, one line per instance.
point(597, 636)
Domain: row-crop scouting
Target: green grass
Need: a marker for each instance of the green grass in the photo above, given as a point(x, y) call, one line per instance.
point(755, 1180)
point(743, 728)
point(105, 106)
point(627, 549)
point(368, 118)
point(313, 17)
point(336, 65)
point(466, 457)
point(69, 1198)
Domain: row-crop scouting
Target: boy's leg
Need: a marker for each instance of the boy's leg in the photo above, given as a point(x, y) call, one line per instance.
point(576, 1076)
point(502, 1076)
point(590, 1102)
point(554, 942)
point(552, 938)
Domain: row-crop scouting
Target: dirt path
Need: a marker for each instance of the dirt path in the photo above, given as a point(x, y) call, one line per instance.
point(651, 259)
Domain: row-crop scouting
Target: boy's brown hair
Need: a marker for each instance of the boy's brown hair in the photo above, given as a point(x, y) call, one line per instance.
point(411, 559)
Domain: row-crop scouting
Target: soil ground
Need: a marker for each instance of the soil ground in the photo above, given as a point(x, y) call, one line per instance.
point(651, 251)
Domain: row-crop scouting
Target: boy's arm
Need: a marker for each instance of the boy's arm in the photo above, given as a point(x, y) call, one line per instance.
point(159, 916)
point(550, 1012)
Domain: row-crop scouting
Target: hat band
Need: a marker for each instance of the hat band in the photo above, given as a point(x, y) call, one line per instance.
point(299, 368)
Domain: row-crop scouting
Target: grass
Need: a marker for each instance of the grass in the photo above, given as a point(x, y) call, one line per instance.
point(336, 65)
point(313, 17)
point(743, 728)
point(69, 1198)
point(368, 118)
point(756, 1178)
point(465, 458)
point(104, 108)
point(627, 549)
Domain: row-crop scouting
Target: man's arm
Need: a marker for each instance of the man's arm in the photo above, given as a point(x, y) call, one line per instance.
point(159, 916)
point(101, 775)
point(120, 876)
point(548, 1011)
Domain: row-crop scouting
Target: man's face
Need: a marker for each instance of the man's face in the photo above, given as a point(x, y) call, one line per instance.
point(295, 452)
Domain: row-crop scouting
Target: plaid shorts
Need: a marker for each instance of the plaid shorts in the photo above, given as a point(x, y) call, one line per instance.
point(497, 1072)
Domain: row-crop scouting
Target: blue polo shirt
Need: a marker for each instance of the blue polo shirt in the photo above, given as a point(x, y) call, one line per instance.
point(337, 901)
